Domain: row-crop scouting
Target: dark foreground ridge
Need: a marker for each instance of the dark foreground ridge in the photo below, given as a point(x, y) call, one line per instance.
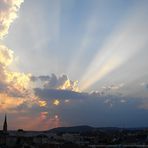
point(75, 137)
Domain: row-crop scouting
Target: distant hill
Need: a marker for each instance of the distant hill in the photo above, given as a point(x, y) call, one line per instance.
point(85, 129)
point(73, 129)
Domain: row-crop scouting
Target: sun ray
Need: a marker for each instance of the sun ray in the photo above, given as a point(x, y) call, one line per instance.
point(122, 45)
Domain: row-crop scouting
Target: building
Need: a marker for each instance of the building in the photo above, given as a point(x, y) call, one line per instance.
point(5, 124)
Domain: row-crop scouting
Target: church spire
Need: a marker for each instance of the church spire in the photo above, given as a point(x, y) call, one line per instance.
point(5, 124)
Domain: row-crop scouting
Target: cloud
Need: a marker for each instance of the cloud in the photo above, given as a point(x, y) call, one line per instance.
point(144, 84)
point(11, 82)
point(14, 86)
point(8, 13)
point(41, 121)
point(57, 96)
point(58, 93)
point(6, 55)
point(113, 87)
point(8, 103)
point(53, 82)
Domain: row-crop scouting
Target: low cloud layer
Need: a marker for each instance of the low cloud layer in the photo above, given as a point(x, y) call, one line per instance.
point(59, 94)
point(67, 96)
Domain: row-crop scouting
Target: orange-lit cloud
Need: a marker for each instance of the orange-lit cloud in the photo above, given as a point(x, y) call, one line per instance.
point(69, 85)
point(15, 87)
point(42, 121)
point(56, 102)
point(42, 103)
point(7, 103)
point(44, 115)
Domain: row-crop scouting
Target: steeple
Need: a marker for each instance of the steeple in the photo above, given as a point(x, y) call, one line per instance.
point(5, 124)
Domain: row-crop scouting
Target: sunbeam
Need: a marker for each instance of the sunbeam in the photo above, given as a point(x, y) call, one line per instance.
point(86, 42)
point(123, 44)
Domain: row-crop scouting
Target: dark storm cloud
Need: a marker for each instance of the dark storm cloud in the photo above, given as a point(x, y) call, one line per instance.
point(49, 94)
point(97, 113)
point(60, 94)
point(97, 108)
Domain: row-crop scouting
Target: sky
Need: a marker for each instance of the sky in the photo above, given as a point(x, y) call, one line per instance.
point(73, 62)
